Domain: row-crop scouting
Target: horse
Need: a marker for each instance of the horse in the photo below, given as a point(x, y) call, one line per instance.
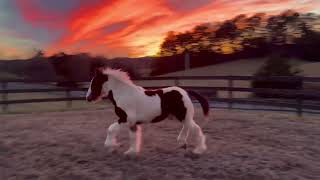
point(135, 106)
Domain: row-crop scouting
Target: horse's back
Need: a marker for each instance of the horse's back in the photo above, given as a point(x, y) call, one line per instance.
point(180, 94)
point(175, 101)
point(147, 107)
point(156, 105)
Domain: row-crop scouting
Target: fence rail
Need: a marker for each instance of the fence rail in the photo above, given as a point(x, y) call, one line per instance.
point(299, 104)
point(243, 78)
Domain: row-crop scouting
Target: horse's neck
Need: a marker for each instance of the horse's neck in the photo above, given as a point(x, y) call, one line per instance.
point(120, 88)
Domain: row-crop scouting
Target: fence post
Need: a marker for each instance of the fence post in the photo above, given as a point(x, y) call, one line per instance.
point(300, 100)
point(300, 105)
point(230, 92)
point(69, 102)
point(176, 82)
point(4, 86)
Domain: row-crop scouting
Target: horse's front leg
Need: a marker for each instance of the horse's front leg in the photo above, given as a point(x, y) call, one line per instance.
point(135, 135)
point(111, 140)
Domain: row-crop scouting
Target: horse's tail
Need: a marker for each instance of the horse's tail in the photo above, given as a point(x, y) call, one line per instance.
point(203, 101)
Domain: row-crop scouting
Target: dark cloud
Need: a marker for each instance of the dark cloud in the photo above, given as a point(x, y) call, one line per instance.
point(115, 27)
point(187, 5)
point(64, 7)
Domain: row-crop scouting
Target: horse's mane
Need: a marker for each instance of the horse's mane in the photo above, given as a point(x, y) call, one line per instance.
point(118, 74)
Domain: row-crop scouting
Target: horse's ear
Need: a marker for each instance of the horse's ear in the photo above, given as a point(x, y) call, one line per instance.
point(98, 71)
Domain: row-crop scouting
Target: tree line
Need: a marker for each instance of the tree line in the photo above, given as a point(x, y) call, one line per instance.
point(289, 33)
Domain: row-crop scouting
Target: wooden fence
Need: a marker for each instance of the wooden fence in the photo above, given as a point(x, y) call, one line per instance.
point(298, 105)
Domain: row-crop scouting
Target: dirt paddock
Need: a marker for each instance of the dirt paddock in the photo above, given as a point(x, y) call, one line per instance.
point(241, 145)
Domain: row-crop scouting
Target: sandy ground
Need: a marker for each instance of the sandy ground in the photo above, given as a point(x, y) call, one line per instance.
point(241, 145)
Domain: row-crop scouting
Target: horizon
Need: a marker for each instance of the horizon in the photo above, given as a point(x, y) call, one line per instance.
point(102, 27)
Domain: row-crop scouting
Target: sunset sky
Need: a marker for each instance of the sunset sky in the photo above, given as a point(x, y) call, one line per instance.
point(126, 28)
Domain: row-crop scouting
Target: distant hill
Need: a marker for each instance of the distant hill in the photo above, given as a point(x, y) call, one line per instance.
point(245, 67)
point(26, 69)
point(6, 75)
point(78, 67)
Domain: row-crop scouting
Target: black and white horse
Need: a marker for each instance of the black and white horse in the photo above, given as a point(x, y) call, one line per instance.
point(135, 105)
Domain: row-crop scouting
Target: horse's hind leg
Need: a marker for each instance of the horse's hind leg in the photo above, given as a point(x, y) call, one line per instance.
point(200, 137)
point(183, 135)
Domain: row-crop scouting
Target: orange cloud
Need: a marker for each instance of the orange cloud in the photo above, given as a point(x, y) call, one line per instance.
point(137, 28)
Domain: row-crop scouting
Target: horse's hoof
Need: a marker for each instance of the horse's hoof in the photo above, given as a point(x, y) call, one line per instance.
point(110, 148)
point(191, 155)
point(184, 146)
point(199, 150)
point(130, 153)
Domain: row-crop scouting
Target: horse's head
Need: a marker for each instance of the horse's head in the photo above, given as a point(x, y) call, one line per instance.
point(97, 90)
